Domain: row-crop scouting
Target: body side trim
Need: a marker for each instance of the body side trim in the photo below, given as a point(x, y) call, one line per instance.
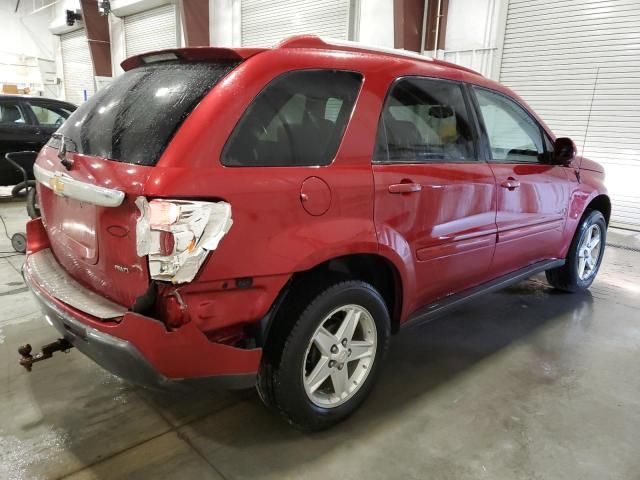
point(442, 306)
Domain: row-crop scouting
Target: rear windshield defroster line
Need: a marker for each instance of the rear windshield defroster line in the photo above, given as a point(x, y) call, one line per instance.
point(134, 118)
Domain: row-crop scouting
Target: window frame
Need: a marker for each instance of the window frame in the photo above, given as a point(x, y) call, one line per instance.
point(48, 106)
point(478, 153)
point(269, 84)
point(25, 110)
point(546, 160)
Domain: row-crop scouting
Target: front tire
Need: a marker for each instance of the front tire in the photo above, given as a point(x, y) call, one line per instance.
point(584, 257)
point(330, 358)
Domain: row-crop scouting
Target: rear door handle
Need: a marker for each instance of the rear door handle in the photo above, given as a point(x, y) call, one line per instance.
point(511, 184)
point(405, 188)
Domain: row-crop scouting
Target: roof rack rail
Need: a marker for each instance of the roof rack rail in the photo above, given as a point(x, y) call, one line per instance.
point(315, 41)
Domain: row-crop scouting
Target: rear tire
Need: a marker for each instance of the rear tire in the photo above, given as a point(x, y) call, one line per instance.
point(339, 339)
point(585, 255)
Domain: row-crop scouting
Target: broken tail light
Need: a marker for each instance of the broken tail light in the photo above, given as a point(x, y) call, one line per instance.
point(177, 235)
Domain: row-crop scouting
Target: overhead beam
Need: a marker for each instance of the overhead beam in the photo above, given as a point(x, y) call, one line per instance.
point(410, 19)
point(407, 24)
point(195, 22)
point(97, 28)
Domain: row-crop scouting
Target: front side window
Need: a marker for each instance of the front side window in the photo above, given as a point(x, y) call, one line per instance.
point(297, 120)
point(513, 135)
point(424, 120)
point(11, 114)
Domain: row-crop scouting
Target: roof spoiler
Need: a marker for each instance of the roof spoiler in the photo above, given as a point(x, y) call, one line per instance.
point(189, 54)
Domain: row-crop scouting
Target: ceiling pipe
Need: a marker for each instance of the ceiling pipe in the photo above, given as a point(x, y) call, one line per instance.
point(438, 15)
point(424, 26)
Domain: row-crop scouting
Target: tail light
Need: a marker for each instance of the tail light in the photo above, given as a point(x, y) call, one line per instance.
point(178, 235)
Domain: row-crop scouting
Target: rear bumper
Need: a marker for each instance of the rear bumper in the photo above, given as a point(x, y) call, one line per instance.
point(140, 350)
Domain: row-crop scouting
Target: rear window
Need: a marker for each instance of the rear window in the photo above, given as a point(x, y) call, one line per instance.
point(133, 119)
point(297, 120)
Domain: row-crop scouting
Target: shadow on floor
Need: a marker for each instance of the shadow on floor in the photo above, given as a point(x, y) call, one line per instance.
point(421, 359)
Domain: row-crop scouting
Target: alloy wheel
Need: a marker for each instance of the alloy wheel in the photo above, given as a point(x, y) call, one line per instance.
point(340, 356)
point(589, 252)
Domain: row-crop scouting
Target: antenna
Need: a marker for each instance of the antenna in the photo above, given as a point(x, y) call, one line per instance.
point(586, 131)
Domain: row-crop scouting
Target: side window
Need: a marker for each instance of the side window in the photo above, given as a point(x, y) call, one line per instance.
point(513, 135)
point(50, 116)
point(297, 120)
point(12, 114)
point(424, 120)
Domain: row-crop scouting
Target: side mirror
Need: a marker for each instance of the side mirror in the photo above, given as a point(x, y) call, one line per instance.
point(564, 151)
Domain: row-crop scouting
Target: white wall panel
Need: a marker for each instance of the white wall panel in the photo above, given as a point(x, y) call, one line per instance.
point(375, 25)
point(553, 52)
point(267, 22)
point(150, 30)
point(77, 67)
point(474, 34)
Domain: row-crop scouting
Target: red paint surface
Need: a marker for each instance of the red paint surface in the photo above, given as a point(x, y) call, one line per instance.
point(531, 217)
point(81, 235)
point(177, 354)
point(445, 234)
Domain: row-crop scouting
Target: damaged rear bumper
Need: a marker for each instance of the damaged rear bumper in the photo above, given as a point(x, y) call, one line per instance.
point(140, 349)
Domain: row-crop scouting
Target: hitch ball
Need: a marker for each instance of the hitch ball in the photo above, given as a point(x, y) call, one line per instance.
point(27, 360)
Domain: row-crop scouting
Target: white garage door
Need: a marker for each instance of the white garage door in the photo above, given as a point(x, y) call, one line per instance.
point(266, 22)
point(577, 62)
point(150, 30)
point(77, 68)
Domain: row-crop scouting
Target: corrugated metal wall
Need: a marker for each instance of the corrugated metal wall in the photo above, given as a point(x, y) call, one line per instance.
point(150, 30)
point(575, 60)
point(266, 22)
point(77, 68)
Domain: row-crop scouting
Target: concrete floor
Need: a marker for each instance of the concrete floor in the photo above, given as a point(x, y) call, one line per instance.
point(523, 384)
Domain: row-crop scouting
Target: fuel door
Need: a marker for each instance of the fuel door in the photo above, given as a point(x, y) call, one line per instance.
point(315, 196)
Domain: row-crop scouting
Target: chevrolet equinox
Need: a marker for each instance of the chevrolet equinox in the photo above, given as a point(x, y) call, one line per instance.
point(239, 217)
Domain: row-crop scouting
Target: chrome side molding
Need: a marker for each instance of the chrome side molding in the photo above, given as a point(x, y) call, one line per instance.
point(65, 186)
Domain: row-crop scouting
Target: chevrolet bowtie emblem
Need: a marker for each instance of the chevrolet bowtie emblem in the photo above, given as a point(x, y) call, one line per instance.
point(56, 185)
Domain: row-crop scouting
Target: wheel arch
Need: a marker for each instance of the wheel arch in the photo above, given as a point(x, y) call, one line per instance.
point(371, 268)
point(602, 203)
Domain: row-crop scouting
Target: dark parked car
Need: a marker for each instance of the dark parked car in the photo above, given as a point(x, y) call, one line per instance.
point(26, 123)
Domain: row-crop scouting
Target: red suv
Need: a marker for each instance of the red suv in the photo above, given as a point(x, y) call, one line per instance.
point(269, 216)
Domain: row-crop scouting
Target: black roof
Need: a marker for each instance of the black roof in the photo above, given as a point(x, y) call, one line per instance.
point(27, 98)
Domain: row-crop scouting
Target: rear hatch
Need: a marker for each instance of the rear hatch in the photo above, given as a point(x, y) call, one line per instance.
point(113, 142)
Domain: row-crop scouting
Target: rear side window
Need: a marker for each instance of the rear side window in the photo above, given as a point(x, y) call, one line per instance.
point(133, 119)
point(297, 120)
point(424, 120)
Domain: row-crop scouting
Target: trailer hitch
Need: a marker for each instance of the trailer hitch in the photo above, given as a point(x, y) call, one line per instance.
point(27, 360)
